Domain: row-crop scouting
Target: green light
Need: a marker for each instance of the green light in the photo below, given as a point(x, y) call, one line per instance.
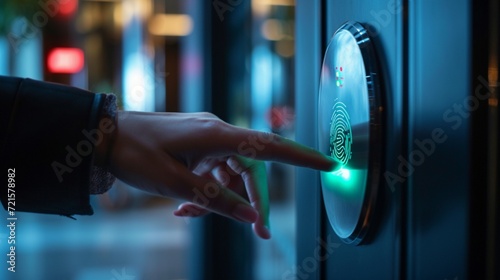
point(347, 182)
point(339, 77)
point(345, 173)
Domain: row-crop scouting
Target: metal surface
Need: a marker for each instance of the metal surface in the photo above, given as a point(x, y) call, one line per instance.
point(307, 192)
point(350, 130)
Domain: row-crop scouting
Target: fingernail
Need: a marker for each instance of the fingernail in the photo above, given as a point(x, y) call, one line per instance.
point(267, 232)
point(246, 213)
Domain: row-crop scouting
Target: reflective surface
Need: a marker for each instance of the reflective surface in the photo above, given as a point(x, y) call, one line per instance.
point(350, 130)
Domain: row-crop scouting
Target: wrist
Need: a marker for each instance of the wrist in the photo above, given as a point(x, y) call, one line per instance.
point(108, 129)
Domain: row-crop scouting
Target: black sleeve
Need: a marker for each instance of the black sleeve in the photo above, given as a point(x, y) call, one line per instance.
point(46, 138)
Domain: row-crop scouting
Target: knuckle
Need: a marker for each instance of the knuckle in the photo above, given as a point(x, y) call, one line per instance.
point(207, 115)
point(212, 125)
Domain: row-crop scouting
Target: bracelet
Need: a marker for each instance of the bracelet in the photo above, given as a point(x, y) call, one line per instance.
point(108, 111)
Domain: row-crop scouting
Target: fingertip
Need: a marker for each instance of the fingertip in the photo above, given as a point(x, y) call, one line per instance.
point(331, 164)
point(183, 213)
point(261, 227)
point(262, 231)
point(189, 210)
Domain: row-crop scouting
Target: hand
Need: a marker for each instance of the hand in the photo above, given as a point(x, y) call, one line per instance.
point(199, 158)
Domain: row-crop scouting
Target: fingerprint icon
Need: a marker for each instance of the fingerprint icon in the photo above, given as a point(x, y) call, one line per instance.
point(340, 134)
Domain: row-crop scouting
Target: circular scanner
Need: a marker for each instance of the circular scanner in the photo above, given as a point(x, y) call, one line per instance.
point(350, 131)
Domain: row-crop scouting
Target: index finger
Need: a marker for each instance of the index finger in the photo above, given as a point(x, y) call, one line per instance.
point(269, 146)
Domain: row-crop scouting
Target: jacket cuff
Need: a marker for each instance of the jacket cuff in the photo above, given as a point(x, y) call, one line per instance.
point(49, 141)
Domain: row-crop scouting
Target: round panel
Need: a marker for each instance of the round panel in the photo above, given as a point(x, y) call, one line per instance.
point(350, 130)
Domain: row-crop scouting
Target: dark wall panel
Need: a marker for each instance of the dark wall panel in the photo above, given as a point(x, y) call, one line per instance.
point(439, 69)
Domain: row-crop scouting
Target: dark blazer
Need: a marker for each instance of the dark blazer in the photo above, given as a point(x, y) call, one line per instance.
point(42, 138)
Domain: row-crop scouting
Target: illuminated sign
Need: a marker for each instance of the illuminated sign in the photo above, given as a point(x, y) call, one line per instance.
point(65, 60)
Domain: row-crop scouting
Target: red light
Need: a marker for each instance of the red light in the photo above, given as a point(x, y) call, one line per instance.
point(280, 117)
point(65, 60)
point(67, 7)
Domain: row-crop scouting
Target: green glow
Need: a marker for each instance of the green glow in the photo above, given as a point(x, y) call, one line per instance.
point(345, 173)
point(348, 182)
point(338, 83)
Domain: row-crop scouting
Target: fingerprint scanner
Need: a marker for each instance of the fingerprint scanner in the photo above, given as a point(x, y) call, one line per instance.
point(350, 131)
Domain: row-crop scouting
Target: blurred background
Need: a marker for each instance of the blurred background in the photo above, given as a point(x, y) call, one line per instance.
point(233, 58)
